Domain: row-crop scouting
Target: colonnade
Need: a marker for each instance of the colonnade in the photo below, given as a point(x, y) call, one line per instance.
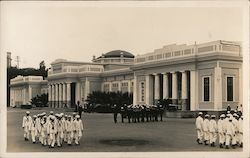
point(59, 95)
point(153, 87)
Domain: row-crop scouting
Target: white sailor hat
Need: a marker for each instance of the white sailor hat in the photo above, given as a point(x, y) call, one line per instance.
point(73, 113)
point(51, 112)
point(228, 115)
point(228, 112)
point(69, 116)
point(222, 115)
point(34, 116)
point(77, 116)
point(235, 115)
point(62, 114)
point(27, 112)
point(212, 116)
point(200, 113)
point(206, 115)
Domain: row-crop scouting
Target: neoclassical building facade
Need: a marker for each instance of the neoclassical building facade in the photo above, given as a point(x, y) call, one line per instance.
point(205, 76)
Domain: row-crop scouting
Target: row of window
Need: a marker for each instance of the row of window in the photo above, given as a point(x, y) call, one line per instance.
point(207, 89)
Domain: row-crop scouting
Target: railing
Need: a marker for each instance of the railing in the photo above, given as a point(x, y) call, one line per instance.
point(20, 79)
point(179, 51)
point(79, 69)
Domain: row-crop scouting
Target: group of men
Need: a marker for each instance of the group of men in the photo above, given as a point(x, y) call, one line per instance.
point(228, 129)
point(139, 113)
point(53, 129)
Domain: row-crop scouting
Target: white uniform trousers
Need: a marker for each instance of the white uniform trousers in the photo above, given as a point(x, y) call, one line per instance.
point(228, 139)
point(206, 135)
point(59, 138)
point(212, 137)
point(52, 139)
point(222, 138)
point(69, 137)
point(200, 134)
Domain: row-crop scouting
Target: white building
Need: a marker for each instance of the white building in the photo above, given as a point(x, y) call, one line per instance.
point(205, 76)
point(23, 89)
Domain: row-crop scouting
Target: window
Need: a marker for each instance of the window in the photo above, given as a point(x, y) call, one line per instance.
point(230, 88)
point(206, 88)
point(142, 91)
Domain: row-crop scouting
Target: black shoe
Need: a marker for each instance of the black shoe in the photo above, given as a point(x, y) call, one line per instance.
point(34, 142)
point(227, 147)
point(224, 143)
point(241, 145)
point(221, 146)
point(198, 141)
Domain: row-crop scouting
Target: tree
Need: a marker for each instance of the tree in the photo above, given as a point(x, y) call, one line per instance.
point(108, 99)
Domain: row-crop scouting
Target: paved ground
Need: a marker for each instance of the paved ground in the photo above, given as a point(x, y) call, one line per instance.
point(101, 134)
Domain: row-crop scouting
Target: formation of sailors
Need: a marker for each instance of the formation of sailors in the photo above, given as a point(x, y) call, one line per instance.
point(139, 113)
point(53, 129)
point(228, 129)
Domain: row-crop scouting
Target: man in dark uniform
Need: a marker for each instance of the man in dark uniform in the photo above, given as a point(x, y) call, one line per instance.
point(115, 113)
point(161, 110)
point(80, 109)
point(123, 112)
point(129, 113)
point(143, 111)
point(147, 112)
point(138, 113)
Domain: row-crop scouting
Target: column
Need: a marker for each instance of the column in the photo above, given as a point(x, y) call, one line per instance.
point(119, 86)
point(217, 88)
point(68, 95)
point(129, 86)
point(56, 95)
point(184, 90)
point(24, 95)
point(78, 92)
point(165, 86)
point(87, 89)
point(174, 87)
point(135, 90)
point(193, 91)
point(157, 88)
point(60, 95)
point(63, 94)
point(52, 95)
point(149, 89)
point(30, 93)
point(49, 95)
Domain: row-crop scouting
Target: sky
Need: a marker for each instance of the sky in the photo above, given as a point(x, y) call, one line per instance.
point(36, 32)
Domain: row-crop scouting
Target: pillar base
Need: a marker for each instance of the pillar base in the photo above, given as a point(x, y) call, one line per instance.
point(68, 103)
point(156, 101)
point(174, 101)
point(184, 105)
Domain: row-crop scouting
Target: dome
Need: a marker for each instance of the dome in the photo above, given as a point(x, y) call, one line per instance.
point(118, 53)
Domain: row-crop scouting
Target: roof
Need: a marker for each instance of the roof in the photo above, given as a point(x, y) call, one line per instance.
point(117, 53)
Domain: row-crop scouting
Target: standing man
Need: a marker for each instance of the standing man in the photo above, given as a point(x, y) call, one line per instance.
point(221, 130)
point(212, 130)
point(80, 109)
point(230, 132)
point(199, 128)
point(27, 122)
point(115, 113)
point(241, 131)
point(161, 110)
point(206, 129)
point(123, 112)
point(78, 128)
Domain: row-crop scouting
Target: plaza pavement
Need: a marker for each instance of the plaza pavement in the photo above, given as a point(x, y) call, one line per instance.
point(101, 134)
